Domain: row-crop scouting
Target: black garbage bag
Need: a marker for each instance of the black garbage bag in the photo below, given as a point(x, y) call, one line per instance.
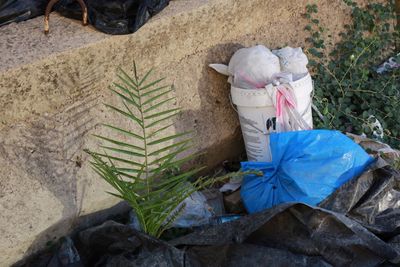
point(116, 16)
point(373, 200)
point(356, 226)
point(293, 233)
point(109, 16)
point(20, 10)
point(115, 244)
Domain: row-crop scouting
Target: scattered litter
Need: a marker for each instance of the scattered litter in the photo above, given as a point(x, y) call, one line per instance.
point(20, 10)
point(233, 203)
point(134, 221)
point(215, 201)
point(389, 65)
point(293, 60)
point(235, 182)
point(385, 154)
point(273, 109)
point(224, 219)
point(196, 212)
point(272, 93)
point(112, 17)
point(307, 166)
point(66, 255)
point(250, 68)
point(375, 126)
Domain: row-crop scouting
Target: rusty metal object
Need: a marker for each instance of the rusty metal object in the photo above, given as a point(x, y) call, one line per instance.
point(50, 6)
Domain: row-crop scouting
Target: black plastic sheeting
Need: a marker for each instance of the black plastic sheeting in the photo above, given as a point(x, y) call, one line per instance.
point(20, 10)
point(358, 225)
point(114, 16)
point(109, 16)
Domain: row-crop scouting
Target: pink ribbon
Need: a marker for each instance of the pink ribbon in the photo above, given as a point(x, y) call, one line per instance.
point(284, 101)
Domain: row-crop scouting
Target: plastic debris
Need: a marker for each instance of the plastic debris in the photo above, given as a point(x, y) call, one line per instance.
point(224, 219)
point(112, 17)
point(195, 213)
point(250, 68)
point(293, 61)
point(115, 16)
point(389, 65)
point(20, 10)
point(66, 256)
point(307, 166)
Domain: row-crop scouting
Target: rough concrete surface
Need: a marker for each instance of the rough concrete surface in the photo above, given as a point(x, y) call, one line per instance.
point(52, 87)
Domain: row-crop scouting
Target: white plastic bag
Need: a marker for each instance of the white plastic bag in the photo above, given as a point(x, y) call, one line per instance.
point(250, 68)
point(293, 60)
point(195, 213)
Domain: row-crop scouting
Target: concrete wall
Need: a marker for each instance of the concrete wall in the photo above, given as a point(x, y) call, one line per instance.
point(52, 87)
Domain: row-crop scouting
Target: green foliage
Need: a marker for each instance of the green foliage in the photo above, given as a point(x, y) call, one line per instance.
point(145, 171)
point(349, 94)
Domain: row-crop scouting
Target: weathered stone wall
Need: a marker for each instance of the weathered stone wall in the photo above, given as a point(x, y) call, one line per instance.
point(52, 87)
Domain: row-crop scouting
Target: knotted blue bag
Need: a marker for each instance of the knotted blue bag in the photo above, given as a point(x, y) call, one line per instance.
point(307, 166)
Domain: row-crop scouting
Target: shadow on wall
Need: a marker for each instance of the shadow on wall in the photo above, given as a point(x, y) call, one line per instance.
point(42, 258)
point(215, 113)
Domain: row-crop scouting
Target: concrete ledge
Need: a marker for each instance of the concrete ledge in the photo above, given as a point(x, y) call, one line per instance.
point(51, 89)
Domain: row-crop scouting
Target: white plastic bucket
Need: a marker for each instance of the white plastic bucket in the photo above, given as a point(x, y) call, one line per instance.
point(257, 115)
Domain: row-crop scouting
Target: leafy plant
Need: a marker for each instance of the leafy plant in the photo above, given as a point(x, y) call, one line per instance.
point(145, 171)
point(349, 94)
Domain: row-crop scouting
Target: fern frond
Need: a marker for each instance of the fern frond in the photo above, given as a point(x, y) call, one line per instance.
point(169, 157)
point(133, 94)
point(158, 131)
point(124, 97)
point(133, 117)
point(162, 113)
point(127, 79)
point(168, 138)
point(158, 105)
point(145, 77)
point(119, 143)
point(154, 123)
point(151, 99)
point(123, 151)
point(168, 148)
point(130, 162)
point(151, 84)
point(176, 162)
point(141, 168)
point(154, 90)
point(125, 132)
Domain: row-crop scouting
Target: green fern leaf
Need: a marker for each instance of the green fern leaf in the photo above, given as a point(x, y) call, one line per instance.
point(151, 99)
point(120, 143)
point(168, 138)
point(125, 132)
point(154, 123)
point(158, 105)
point(140, 169)
point(158, 114)
point(155, 90)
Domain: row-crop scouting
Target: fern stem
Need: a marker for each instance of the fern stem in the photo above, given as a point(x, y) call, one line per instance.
point(146, 166)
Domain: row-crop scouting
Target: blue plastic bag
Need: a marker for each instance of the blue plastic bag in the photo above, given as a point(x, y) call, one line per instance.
point(307, 166)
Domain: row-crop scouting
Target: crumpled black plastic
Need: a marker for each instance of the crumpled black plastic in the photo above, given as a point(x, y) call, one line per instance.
point(356, 226)
point(115, 16)
point(20, 10)
point(109, 16)
point(373, 200)
point(115, 244)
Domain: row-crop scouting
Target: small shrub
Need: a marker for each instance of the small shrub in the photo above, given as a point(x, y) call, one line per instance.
point(349, 94)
